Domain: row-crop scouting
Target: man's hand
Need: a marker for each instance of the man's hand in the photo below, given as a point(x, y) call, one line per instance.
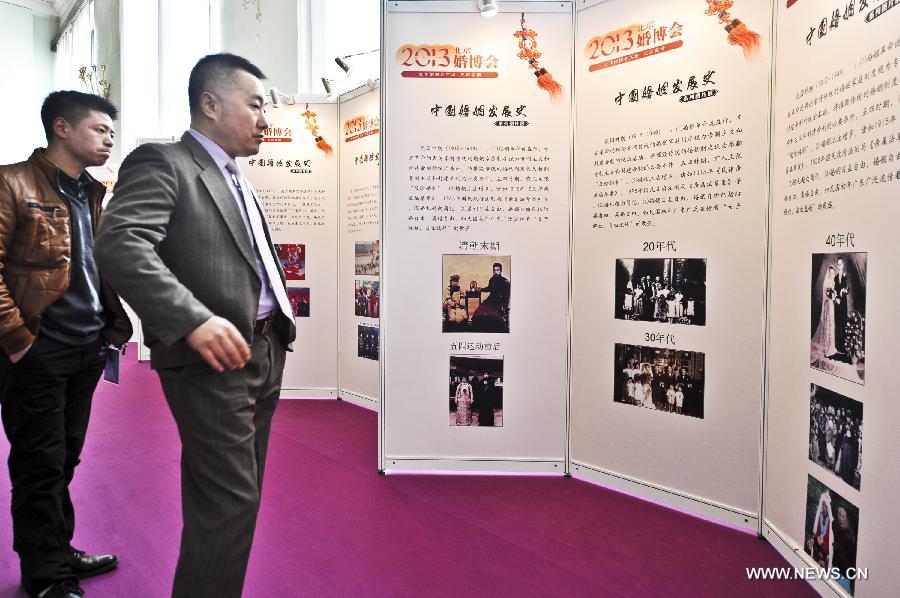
point(18, 355)
point(220, 344)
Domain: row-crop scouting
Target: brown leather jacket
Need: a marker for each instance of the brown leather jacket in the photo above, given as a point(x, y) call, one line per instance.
point(36, 253)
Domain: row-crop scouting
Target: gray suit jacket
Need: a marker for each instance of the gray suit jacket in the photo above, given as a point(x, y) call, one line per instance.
point(172, 243)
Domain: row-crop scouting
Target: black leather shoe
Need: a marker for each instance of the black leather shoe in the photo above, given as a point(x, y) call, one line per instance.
point(63, 589)
point(89, 565)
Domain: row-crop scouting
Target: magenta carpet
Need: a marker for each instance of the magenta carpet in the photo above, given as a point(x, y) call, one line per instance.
point(331, 526)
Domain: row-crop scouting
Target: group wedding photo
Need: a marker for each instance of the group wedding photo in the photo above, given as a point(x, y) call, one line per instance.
point(835, 434)
point(367, 258)
point(366, 298)
point(664, 290)
point(667, 380)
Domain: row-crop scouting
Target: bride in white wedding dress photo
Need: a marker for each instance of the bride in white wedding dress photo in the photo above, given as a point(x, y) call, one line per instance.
point(823, 340)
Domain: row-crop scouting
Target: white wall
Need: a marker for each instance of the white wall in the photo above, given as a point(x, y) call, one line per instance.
point(276, 49)
point(43, 30)
point(28, 69)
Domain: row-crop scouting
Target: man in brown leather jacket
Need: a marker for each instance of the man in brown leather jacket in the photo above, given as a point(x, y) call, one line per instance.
point(57, 320)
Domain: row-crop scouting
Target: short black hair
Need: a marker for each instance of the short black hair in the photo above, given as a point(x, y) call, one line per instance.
point(73, 106)
point(498, 265)
point(215, 69)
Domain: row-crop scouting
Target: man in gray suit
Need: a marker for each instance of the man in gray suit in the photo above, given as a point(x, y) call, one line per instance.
point(184, 241)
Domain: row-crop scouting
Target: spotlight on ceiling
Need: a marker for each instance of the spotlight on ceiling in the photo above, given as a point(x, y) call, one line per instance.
point(276, 97)
point(341, 61)
point(344, 66)
point(329, 88)
point(488, 8)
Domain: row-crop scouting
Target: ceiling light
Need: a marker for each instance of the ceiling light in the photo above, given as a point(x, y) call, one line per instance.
point(488, 8)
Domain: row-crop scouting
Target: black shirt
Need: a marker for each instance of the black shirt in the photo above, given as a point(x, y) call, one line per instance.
point(77, 318)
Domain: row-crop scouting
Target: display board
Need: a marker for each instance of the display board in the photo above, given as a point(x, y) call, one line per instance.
point(669, 252)
point(475, 235)
point(834, 207)
point(295, 176)
point(359, 245)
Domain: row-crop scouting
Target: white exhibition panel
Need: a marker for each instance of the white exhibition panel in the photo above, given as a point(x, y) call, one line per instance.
point(831, 357)
point(671, 149)
point(297, 184)
point(359, 240)
point(467, 185)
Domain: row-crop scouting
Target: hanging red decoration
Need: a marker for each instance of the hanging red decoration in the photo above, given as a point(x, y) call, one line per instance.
point(312, 125)
point(528, 51)
point(738, 33)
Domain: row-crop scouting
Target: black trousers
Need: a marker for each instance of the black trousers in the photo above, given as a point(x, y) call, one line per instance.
point(45, 403)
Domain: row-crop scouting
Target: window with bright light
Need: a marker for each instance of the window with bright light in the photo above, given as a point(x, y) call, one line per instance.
point(342, 28)
point(76, 49)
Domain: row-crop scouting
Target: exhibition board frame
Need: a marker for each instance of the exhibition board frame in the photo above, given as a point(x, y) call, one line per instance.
point(833, 194)
point(689, 496)
point(450, 463)
point(308, 358)
point(351, 396)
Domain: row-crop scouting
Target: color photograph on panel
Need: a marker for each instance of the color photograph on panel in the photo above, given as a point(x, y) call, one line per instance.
point(476, 298)
point(666, 380)
point(293, 260)
point(835, 434)
point(838, 322)
point(476, 391)
point(299, 298)
point(366, 298)
point(367, 341)
point(368, 258)
point(832, 527)
point(664, 290)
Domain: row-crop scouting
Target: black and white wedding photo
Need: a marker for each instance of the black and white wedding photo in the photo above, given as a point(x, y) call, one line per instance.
point(367, 341)
point(665, 290)
point(838, 315)
point(476, 390)
point(835, 434)
point(666, 380)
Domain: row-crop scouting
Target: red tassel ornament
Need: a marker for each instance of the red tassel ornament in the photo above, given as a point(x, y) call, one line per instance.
point(312, 125)
point(323, 145)
point(528, 51)
point(738, 32)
